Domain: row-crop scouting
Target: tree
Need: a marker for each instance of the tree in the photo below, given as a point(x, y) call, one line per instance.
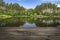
point(45, 6)
point(30, 11)
point(2, 3)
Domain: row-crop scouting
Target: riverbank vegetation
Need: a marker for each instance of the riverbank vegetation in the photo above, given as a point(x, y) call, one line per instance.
point(45, 11)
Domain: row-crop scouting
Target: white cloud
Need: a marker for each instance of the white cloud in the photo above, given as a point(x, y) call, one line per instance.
point(58, 5)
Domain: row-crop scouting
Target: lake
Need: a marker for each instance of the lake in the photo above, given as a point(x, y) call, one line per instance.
point(29, 21)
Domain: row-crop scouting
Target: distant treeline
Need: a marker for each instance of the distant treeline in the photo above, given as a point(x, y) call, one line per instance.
point(45, 11)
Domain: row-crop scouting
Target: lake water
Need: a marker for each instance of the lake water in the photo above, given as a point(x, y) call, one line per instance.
point(29, 22)
point(29, 25)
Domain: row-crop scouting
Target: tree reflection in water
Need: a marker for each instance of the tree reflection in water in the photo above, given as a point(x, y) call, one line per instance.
point(18, 21)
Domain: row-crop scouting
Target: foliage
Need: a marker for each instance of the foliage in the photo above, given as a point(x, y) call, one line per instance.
point(44, 11)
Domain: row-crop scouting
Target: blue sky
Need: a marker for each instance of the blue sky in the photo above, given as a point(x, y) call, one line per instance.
point(32, 3)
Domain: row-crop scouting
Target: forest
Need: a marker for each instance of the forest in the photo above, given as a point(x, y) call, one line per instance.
point(10, 14)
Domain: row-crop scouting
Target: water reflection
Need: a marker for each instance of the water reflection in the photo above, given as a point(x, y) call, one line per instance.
point(28, 22)
point(29, 25)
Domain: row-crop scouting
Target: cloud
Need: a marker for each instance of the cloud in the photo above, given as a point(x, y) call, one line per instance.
point(19, 0)
point(58, 5)
point(51, 0)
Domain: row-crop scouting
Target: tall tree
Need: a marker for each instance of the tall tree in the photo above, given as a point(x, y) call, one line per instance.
point(2, 3)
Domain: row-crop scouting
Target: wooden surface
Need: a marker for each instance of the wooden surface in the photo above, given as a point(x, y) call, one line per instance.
point(40, 33)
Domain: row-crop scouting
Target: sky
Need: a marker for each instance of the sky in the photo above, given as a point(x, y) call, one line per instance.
point(32, 3)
